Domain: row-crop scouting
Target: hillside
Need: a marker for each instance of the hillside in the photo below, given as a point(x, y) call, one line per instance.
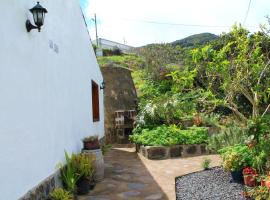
point(196, 40)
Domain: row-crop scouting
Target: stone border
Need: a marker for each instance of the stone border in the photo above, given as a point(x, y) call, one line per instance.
point(43, 189)
point(176, 151)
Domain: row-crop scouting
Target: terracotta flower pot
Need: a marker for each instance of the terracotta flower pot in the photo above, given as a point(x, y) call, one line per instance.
point(267, 184)
point(91, 145)
point(250, 180)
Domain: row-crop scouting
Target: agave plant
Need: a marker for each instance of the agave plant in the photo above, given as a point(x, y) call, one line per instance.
point(68, 173)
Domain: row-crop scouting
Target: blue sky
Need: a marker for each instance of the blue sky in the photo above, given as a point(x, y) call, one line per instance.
point(142, 22)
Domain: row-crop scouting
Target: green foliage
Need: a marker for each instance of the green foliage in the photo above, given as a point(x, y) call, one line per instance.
point(60, 194)
point(206, 163)
point(239, 68)
point(83, 165)
point(259, 127)
point(170, 108)
point(105, 148)
point(90, 138)
point(111, 52)
point(211, 119)
point(68, 173)
point(158, 58)
point(259, 138)
point(259, 193)
point(130, 61)
point(236, 157)
point(196, 40)
point(183, 80)
point(170, 135)
point(229, 136)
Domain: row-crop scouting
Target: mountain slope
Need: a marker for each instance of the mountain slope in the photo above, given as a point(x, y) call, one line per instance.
point(196, 40)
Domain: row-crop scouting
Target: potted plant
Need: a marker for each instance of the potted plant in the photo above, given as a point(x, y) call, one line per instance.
point(235, 159)
point(91, 143)
point(259, 193)
point(249, 176)
point(68, 175)
point(206, 163)
point(267, 182)
point(261, 180)
point(84, 167)
point(60, 194)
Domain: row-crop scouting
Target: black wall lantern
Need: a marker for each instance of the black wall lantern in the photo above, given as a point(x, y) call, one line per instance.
point(102, 87)
point(38, 14)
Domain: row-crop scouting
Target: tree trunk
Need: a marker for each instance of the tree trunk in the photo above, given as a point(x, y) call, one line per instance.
point(255, 106)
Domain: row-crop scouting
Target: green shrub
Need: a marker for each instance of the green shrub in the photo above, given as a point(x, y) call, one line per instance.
point(105, 148)
point(170, 135)
point(206, 163)
point(68, 173)
point(60, 194)
point(83, 164)
point(211, 119)
point(237, 157)
point(230, 136)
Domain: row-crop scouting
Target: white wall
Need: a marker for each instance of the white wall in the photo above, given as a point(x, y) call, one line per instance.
point(45, 96)
point(107, 44)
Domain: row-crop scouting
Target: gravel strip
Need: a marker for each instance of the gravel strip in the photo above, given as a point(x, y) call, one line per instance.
point(213, 184)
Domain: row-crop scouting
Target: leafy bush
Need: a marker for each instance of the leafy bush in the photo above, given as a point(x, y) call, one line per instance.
point(170, 135)
point(105, 148)
point(237, 157)
point(206, 163)
point(60, 194)
point(211, 119)
point(259, 126)
point(171, 108)
point(130, 61)
point(258, 192)
point(259, 142)
point(83, 164)
point(68, 174)
point(230, 136)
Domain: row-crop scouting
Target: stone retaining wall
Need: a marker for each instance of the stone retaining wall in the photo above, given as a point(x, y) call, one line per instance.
point(176, 151)
point(119, 94)
point(43, 189)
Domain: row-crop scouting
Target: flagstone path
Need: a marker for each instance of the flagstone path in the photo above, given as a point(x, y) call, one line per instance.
point(130, 176)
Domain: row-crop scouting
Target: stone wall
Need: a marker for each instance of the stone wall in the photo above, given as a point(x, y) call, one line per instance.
point(119, 94)
point(176, 151)
point(43, 189)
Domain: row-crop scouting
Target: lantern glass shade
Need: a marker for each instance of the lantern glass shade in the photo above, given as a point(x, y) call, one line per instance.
point(35, 16)
point(38, 14)
point(39, 18)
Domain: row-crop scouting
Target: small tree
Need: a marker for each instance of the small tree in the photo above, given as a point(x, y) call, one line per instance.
point(158, 57)
point(241, 67)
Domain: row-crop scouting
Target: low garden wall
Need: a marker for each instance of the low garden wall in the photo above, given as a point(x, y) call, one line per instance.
point(175, 151)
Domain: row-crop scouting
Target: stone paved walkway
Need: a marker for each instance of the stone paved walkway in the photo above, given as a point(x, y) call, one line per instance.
point(130, 176)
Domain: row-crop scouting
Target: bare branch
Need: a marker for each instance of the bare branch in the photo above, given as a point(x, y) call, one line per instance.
point(268, 107)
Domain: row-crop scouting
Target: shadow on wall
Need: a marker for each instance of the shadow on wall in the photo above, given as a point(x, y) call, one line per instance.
point(126, 177)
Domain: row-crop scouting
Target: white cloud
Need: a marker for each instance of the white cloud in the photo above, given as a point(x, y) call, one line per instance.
point(121, 19)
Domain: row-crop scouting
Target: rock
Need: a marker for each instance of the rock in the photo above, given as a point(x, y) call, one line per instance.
point(211, 184)
point(131, 193)
point(136, 186)
point(154, 196)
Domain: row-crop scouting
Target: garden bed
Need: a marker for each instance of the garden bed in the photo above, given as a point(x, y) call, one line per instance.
point(163, 142)
point(175, 151)
point(213, 184)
